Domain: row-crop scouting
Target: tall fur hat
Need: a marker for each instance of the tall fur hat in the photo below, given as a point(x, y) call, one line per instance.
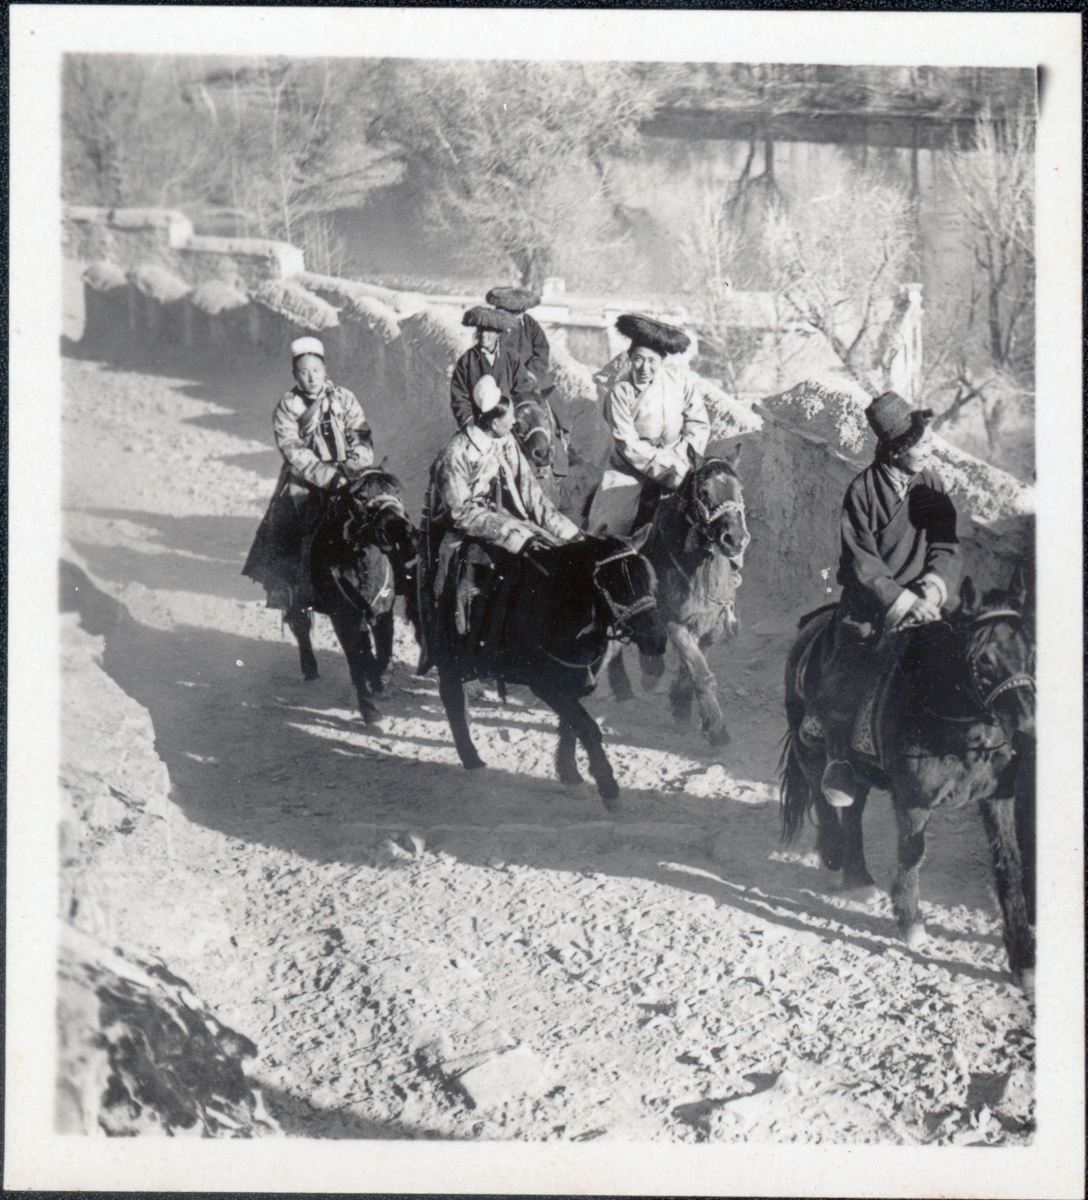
point(489, 318)
point(654, 335)
point(512, 299)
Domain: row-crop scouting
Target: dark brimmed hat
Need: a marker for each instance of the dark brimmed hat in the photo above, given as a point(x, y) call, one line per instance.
point(489, 318)
point(896, 425)
point(654, 335)
point(512, 299)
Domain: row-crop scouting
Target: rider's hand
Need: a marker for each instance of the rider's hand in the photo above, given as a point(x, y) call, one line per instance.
point(930, 592)
point(922, 611)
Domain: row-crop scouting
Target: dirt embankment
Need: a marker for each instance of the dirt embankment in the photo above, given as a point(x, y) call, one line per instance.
point(415, 951)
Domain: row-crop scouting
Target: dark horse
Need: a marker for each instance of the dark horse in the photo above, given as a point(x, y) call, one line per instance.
point(536, 432)
point(696, 545)
point(957, 725)
point(551, 616)
point(363, 556)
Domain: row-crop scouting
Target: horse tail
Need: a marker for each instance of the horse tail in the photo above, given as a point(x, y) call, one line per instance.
point(795, 789)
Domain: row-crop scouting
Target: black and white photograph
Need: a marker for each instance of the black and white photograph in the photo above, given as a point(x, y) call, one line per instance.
point(553, 613)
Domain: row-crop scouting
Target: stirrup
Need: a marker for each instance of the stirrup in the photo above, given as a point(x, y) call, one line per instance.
point(838, 778)
point(812, 732)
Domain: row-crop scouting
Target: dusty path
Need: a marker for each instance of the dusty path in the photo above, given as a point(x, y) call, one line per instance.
point(418, 951)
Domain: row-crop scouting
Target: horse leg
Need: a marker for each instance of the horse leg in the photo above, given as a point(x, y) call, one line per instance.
point(300, 622)
point(705, 683)
point(999, 819)
point(911, 823)
point(652, 667)
point(830, 842)
point(681, 694)
point(353, 634)
point(855, 874)
point(617, 673)
point(566, 767)
point(583, 725)
point(382, 633)
point(453, 700)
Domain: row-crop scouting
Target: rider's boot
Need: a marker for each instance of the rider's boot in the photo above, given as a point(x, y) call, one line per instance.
point(838, 781)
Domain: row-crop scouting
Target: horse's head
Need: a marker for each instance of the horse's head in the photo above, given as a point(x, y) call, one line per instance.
point(626, 582)
point(534, 432)
point(376, 515)
point(715, 505)
point(1000, 654)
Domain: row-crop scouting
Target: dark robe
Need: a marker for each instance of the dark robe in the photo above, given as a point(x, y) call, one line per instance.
point(509, 373)
point(890, 541)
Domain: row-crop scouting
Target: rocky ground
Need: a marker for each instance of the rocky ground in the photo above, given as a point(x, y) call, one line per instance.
point(416, 951)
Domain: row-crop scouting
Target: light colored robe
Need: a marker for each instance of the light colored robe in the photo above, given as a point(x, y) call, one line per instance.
point(651, 432)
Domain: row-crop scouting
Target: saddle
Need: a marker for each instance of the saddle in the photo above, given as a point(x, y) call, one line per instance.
point(815, 658)
point(466, 602)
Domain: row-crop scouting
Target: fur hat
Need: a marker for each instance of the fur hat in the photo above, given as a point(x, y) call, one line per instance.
point(654, 335)
point(489, 318)
point(512, 299)
point(486, 394)
point(897, 426)
point(306, 345)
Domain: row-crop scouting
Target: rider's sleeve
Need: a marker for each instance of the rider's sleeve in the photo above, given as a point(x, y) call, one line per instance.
point(469, 514)
point(522, 386)
point(655, 462)
point(302, 460)
point(944, 556)
point(538, 506)
point(863, 561)
point(696, 429)
point(356, 432)
point(461, 393)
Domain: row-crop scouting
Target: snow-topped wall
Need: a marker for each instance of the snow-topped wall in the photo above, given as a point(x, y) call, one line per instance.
point(150, 281)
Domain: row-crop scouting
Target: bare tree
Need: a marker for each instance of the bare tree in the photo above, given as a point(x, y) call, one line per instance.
point(984, 339)
point(838, 263)
point(515, 156)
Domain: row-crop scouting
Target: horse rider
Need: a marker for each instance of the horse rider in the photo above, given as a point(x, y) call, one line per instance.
point(529, 343)
point(323, 435)
point(900, 563)
point(655, 415)
point(488, 357)
point(482, 488)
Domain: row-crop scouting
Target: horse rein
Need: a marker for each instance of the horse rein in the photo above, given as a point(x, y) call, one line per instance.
point(621, 613)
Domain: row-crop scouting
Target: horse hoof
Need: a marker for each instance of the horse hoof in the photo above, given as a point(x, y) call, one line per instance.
point(717, 737)
point(310, 676)
point(916, 936)
point(866, 893)
point(1025, 980)
point(622, 695)
point(475, 764)
point(609, 792)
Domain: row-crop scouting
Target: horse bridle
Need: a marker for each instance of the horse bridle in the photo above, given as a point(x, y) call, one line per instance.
point(1014, 682)
point(707, 516)
point(621, 613)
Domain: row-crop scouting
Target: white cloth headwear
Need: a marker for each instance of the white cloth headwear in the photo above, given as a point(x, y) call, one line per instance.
point(486, 394)
point(306, 345)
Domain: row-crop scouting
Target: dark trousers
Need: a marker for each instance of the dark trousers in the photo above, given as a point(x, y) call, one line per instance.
point(849, 672)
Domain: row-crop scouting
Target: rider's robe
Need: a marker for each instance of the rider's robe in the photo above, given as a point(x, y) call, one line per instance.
point(896, 530)
point(315, 437)
point(506, 369)
point(529, 343)
point(651, 432)
point(483, 489)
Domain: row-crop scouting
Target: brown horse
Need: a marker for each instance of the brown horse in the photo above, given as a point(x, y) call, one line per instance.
point(957, 725)
point(536, 431)
point(363, 556)
point(696, 545)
